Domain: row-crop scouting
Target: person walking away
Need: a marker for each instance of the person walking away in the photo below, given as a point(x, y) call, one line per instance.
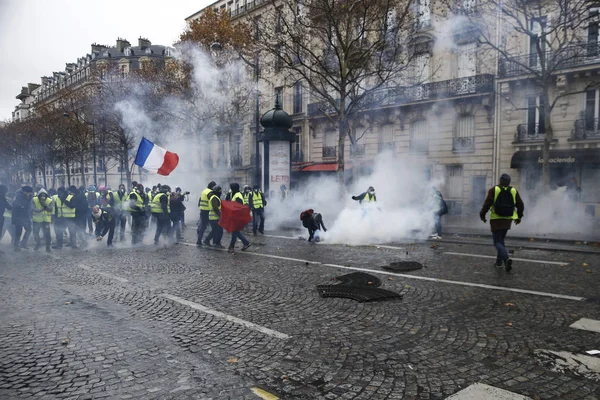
point(120, 196)
point(257, 205)
point(204, 207)
point(161, 209)
point(5, 209)
point(106, 222)
point(312, 221)
point(21, 217)
point(92, 197)
point(81, 214)
point(137, 209)
point(64, 213)
point(177, 211)
point(439, 208)
point(216, 233)
point(237, 196)
point(506, 206)
point(42, 216)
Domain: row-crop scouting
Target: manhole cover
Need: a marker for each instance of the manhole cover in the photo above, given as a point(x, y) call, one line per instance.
point(403, 266)
point(358, 293)
point(359, 279)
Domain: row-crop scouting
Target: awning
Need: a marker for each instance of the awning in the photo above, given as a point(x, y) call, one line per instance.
point(557, 157)
point(323, 167)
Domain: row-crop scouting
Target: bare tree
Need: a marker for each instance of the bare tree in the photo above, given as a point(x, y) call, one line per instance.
point(348, 52)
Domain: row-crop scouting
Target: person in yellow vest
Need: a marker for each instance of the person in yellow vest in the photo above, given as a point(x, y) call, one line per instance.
point(121, 218)
point(137, 208)
point(64, 212)
point(42, 215)
point(246, 195)
point(216, 233)
point(257, 205)
point(506, 206)
point(161, 209)
point(204, 207)
point(367, 197)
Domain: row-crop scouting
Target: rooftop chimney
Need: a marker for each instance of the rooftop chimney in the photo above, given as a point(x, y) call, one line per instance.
point(144, 43)
point(122, 44)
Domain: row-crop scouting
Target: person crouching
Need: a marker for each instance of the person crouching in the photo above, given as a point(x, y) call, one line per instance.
point(312, 221)
point(105, 223)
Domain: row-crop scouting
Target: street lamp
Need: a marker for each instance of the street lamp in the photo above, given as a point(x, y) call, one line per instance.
point(66, 115)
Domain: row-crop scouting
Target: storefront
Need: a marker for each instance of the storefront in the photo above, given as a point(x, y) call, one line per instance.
point(577, 170)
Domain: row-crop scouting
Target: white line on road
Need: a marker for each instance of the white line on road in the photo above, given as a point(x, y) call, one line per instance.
point(424, 278)
point(483, 391)
point(515, 259)
point(586, 324)
point(219, 314)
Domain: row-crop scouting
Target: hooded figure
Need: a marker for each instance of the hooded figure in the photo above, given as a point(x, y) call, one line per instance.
point(312, 221)
point(21, 217)
point(368, 196)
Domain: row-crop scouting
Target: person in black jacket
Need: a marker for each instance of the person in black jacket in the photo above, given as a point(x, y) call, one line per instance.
point(4, 205)
point(177, 212)
point(21, 217)
point(312, 221)
point(106, 223)
point(82, 211)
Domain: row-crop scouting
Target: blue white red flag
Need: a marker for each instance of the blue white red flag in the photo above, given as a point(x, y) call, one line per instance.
point(155, 159)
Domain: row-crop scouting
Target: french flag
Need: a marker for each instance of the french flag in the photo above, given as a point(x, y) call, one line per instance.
point(155, 159)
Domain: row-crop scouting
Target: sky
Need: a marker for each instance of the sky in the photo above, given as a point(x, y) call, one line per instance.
point(38, 37)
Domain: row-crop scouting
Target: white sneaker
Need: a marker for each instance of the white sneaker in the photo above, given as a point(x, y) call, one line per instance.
point(435, 236)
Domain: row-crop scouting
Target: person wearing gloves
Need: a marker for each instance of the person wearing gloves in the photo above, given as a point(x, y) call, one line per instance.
point(21, 217)
point(312, 221)
point(42, 215)
point(105, 222)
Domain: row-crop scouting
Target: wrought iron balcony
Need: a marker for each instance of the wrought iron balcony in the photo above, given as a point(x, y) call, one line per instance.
point(419, 145)
point(586, 129)
point(357, 150)
point(463, 144)
point(385, 146)
point(297, 156)
point(244, 9)
point(578, 55)
point(399, 95)
point(236, 160)
point(329, 152)
point(530, 132)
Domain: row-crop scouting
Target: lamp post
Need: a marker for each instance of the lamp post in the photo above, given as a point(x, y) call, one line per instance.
point(66, 115)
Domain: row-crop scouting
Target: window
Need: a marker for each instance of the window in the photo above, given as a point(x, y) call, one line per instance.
point(537, 27)
point(466, 60)
point(298, 97)
point(297, 156)
point(278, 58)
point(418, 135)
point(535, 116)
point(128, 51)
point(257, 66)
point(279, 20)
point(590, 176)
point(279, 95)
point(454, 181)
point(592, 41)
point(592, 110)
point(464, 132)
point(422, 72)
point(257, 28)
point(422, 10)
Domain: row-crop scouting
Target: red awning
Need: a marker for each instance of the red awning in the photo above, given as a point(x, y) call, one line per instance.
point(323, 167)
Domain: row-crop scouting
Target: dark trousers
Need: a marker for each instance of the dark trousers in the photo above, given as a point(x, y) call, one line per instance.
point(121, 221)
point(138, 226)
point(235, 235)
point(256, 214)
point(204, 222)
point(61, 225)
point(176, 228)
point(19, 227)
point(216, 233)
point(7, 227)
point(498, 237)
point(45, 228)
point(80, 225)
point(163, 226)
point(110, 225)
point(1, 226)
point(90, 222)
point(437, 220)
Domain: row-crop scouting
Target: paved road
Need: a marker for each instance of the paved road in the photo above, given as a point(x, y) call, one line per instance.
point(188, 323)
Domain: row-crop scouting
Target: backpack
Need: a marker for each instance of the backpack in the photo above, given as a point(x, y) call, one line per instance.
point(504, 205)
point(443, 207)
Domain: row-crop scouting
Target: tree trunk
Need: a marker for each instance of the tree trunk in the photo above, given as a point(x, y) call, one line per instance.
point(84, 182)
point(125, 162)
point(53, 176)
point(44, 175)
point(68, 173)
point(548, 136)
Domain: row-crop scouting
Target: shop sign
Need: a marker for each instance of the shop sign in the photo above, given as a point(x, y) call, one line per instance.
point(558, 160)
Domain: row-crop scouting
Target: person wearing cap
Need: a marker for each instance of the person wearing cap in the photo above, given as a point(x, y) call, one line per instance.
point(257, 203)
point(5, 208)
point(42, 216)
point(204, 207)
point(106, 224)
point(21, 217)
point(216, 233)
point(506, 206)
point(161, 209)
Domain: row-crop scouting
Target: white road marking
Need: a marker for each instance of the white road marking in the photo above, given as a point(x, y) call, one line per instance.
point(424, 278)
point(228, 317)
point(586, 324)
point(515, 259)
point(479, 391)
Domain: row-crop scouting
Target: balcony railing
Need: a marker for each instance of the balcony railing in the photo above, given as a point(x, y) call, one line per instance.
point(297, 156)
point(243, 9)
point(483, 83)
point(586, 129)
point(357, 150)
point(236, 160)
point(463, 144)
point(385, 146)
point(530, 132)
point(329, 152)
point(419, 146)
point(577, 55)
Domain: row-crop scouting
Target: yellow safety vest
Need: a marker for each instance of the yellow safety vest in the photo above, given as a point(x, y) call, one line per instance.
point(44, 216)
point(257, 200)
point(246, 197)
point(212, 215)
point(513, 192)
point(63, 210)
point(369, 198)
point(139, 202)
point(203, 202)
point(118, 199)
point(155, 206)
point(236, 196)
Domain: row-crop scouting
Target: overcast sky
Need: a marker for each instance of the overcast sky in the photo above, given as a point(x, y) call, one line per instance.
point(38, 37)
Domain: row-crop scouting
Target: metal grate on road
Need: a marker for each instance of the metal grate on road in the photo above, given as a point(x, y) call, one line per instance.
point(403, 266)
point(357, 286)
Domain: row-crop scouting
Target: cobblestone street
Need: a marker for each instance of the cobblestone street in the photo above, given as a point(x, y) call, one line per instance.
point(182, 322)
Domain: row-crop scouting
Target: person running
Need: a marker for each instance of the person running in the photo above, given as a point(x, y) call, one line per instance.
point(506, 206)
